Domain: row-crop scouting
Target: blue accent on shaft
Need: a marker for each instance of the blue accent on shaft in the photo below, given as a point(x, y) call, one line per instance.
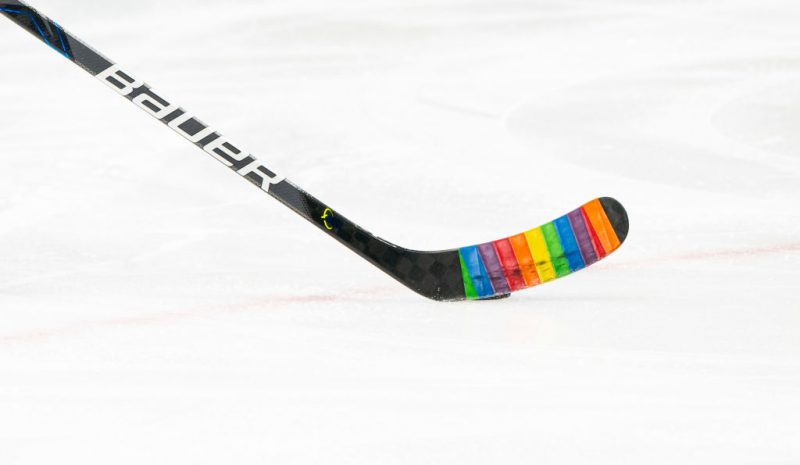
point(477, 271)
point(62, 51)
point(61, 38)
point(569, 244)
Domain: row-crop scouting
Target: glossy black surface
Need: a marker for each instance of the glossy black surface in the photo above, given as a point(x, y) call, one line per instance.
point(436, 275)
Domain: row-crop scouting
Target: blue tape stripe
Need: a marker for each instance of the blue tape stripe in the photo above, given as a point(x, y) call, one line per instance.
point(570, 245)
point(477, 271)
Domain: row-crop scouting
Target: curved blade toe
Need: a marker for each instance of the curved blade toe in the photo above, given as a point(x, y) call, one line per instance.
point(617, 216)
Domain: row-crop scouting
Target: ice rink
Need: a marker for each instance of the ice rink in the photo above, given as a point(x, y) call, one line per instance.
point(157, 309)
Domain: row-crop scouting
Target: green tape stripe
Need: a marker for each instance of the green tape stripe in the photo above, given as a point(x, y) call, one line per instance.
point(469, 288)
point(557, 257)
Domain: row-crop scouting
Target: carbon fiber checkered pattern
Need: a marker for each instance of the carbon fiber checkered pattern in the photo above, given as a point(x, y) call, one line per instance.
point(436, 275)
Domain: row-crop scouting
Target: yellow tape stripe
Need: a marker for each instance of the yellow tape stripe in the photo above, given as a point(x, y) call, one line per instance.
point(541, 256)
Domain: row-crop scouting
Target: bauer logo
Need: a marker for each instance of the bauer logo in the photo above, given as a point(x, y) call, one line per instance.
point(191, 128)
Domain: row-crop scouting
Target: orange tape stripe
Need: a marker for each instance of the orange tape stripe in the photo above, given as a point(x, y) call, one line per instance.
point(525, 259)
point(605, 232)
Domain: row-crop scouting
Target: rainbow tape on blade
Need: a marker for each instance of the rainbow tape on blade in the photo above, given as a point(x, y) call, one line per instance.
point(551, 251)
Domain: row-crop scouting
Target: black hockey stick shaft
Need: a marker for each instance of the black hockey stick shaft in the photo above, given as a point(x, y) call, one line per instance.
point(202, 135)
point(479, 272)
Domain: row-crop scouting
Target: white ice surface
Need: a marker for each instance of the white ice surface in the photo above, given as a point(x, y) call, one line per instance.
point(156, 309)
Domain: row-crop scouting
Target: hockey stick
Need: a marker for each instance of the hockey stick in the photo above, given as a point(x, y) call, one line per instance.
point(485, 271)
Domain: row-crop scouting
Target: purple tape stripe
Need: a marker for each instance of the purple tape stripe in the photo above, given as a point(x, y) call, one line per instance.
point(494, 268)
point(582, 236)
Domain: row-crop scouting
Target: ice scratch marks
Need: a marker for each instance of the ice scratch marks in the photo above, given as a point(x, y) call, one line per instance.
point(787, 249)
point(146, 319)
point(656, 128)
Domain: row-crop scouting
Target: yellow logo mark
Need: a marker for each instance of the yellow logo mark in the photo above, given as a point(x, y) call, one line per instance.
point(327, 214)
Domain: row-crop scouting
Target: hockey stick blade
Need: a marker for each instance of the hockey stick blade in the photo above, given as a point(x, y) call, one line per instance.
point(486, 271)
